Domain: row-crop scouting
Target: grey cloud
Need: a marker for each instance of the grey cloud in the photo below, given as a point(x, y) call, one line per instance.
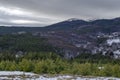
point(58, 10)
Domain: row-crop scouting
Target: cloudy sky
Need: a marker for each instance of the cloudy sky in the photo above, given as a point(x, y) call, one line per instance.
point(45, 12)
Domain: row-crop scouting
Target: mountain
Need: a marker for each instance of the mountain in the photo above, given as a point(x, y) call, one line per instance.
point(102, 25)
point(67, 25)
point(75, 25)
point(81, 26)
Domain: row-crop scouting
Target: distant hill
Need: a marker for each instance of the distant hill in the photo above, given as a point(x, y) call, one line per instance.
point(8, 30)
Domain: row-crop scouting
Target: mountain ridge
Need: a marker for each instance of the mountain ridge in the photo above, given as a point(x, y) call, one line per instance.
point(73, 24)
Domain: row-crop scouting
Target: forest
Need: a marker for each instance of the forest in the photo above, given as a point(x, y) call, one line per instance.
point(40, 57)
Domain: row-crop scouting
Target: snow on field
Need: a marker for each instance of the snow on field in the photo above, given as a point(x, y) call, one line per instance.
point(3, 73)
point(18, 75)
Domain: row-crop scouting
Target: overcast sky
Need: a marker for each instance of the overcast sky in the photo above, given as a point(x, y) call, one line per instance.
point(45, 12)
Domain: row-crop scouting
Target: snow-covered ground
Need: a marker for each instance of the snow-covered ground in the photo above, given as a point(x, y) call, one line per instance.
point(18, 75)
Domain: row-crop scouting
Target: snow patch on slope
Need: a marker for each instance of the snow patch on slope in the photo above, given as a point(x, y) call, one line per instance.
point(111, 41)
point(72, 19)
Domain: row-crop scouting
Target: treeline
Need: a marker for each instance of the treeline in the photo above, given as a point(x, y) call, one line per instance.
point(43, 55)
